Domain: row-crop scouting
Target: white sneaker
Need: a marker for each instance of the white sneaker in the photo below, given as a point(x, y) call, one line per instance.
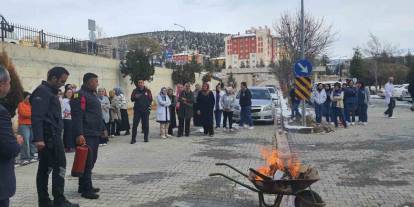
point(168, 136)
point(231, 130)
point(25, 162)
point(364, 123)
point(104, 144)
point(100, 145)
point(33, 160)
point(392, 117)
point(352, 123)
point(251, 128)
point(163, 137)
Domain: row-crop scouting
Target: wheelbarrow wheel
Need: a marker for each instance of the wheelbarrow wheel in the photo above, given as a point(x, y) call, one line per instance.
point(308, 198)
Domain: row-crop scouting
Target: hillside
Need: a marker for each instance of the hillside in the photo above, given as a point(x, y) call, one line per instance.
point(206, 43)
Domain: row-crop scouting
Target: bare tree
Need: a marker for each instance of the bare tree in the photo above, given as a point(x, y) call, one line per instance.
point(318, 35)
point(375, 49)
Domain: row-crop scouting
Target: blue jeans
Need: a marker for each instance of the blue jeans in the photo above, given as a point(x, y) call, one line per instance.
point(350, 111)
point(217, 115)
point(363, 113)
point(318, 112)
point(295, 109)
point(246, 116)
point(338, 112)
point(28, 148)
point(327, 111)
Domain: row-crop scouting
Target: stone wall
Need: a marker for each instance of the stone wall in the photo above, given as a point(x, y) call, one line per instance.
point(33, 63)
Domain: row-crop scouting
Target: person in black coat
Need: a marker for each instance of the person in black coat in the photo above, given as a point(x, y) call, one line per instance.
point(9, 145)
point(88, 128)
point(47, 133)
point(142, 98)
point(411, 91)
point(205, 108)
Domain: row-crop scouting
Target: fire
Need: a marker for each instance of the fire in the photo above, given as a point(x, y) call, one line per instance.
point(275, 161)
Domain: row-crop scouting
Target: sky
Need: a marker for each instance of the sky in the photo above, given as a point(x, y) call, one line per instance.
point(352, 20)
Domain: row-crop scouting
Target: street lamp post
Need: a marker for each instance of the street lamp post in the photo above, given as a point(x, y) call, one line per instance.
point(185, 41)
point(302, 52)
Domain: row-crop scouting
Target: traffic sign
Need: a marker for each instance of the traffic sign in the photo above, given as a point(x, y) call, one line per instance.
point(303, 68)
point(303, 88)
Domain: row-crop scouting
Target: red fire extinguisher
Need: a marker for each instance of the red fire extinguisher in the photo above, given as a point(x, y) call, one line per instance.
point(79, 162)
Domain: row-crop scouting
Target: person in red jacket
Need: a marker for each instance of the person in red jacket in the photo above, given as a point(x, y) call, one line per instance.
point(28, 151)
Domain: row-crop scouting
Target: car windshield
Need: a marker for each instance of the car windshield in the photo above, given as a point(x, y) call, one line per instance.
point(271, 90)
point(260, 94)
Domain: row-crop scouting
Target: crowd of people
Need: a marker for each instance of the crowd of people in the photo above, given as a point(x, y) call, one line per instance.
point(342, 103)
point(52, 122)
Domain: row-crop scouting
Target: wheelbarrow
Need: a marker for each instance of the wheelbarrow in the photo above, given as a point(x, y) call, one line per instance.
point(279, 188)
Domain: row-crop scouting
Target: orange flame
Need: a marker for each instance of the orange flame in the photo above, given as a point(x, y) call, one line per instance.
point(275, 161)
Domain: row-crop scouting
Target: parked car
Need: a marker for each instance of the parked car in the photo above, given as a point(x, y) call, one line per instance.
point(262, 105)
point(274, 94)
point(381, 93)
point(398, 91)
point(406, 96)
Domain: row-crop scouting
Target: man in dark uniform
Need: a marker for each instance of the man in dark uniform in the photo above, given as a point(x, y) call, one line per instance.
point(47, 131)
point(88, 127)
point(9, 145)
point(142, 98)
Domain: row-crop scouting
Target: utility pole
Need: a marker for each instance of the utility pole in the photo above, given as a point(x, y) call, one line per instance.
point(185, 42)
point(302, 52)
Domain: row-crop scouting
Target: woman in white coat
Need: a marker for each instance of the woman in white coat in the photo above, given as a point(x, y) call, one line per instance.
point(163, 112)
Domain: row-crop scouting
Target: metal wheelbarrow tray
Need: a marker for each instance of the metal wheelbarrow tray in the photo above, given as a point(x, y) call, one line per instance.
point(267, 185)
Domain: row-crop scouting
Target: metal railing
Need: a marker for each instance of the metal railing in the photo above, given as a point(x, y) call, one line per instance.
point(32, 37)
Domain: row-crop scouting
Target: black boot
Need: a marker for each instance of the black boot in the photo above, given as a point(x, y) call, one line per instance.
point(133, 141)
point(46, 203)
point(90, 195)
point(95, 190)
point(65, 203)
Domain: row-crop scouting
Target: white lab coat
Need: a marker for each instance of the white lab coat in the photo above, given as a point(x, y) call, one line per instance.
point(388, 90)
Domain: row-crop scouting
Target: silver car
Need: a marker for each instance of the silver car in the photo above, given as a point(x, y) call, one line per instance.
point(262, 105)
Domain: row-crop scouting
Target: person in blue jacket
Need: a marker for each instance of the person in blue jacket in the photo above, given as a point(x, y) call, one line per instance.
point(351, 102)
point(9, 145)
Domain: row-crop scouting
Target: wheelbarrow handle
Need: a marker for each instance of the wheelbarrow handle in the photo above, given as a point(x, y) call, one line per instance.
point(236, 181)
point(233, 168)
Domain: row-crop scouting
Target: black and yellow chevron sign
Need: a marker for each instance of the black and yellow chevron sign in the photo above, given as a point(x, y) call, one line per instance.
point(303, 88)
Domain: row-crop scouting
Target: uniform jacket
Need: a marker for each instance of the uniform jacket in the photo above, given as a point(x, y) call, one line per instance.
point(163, 110)
point(186, 106)
point(86, 113)
point(142, 99)
point(319, 97)
point(245, 98)
point(9, 149)
point(337, 98)
point(350, 95)
point(363, 96)
point(47, 121)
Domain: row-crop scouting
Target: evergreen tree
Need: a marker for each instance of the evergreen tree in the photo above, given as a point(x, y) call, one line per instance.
point(409, 60)
point(137, 66)
point(356, 69)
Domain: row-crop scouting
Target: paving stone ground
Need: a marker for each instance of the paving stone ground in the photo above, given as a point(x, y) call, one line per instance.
point(364, 165)
point(361, 166)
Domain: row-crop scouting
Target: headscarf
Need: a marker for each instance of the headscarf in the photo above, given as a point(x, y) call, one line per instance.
point(118, 91)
